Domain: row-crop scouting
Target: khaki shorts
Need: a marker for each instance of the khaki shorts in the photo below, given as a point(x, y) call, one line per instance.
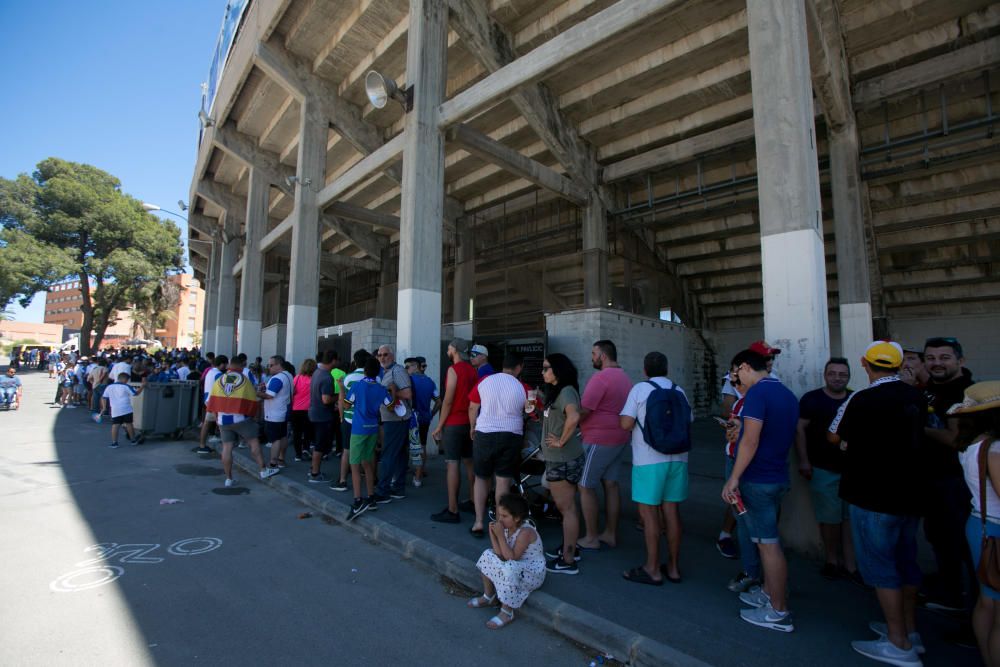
point(246, 429)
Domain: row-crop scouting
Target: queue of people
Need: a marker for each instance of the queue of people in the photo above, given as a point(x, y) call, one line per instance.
point(915, 443)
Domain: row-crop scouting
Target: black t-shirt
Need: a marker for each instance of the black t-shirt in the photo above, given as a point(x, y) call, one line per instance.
point(941, 461)
point(820, 409)
point(883, 427)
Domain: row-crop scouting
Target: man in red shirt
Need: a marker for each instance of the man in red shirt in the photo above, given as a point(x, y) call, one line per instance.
point(604, 442)
point(453, 427)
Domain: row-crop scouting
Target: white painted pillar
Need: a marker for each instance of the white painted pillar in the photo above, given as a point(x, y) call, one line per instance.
point(250, 322)
point(303, 286)
point(852, 252)
point(791, 225)
point(211, 297)
point(418, 320)
point(226, 307)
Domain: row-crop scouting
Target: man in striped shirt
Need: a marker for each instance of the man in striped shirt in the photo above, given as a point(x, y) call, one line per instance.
point(496, 423)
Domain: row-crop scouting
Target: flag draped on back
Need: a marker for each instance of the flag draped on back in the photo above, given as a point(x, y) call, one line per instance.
point(233, 394)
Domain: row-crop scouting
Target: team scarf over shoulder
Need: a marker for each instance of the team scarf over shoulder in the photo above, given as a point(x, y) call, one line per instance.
point(233, 394)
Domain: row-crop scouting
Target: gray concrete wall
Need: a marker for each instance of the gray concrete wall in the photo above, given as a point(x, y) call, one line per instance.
point(272, 340)
point(573, 333)
point(976, 333)
point(367, 334)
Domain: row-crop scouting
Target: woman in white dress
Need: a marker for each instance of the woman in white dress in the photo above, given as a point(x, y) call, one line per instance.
point(515, 564)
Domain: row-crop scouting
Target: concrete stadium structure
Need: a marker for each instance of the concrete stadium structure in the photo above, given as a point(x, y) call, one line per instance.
point(814, 172)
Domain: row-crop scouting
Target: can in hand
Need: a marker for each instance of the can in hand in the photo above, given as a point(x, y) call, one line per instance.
point(738, 505)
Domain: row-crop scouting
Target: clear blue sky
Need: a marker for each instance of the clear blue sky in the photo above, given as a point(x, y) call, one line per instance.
point(114, 84)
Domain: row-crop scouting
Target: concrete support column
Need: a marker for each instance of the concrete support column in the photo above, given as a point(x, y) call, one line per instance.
point(385, 297)
point(211, 297)
point(303, 286)
point(418, 318)
point(852, 252)
point(595, 254)
point(791, 223)
point(250, 322)
point(465, 274)
point(226, 304)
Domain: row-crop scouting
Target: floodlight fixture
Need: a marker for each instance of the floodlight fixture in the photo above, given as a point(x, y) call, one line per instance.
point(206, 120)
point(380, 89)
point(290, 181)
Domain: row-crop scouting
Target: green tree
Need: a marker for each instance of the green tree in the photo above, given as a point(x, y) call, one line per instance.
point(114, 247)
point(153, 306)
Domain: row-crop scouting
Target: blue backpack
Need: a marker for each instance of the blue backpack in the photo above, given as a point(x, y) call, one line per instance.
point(667, 427)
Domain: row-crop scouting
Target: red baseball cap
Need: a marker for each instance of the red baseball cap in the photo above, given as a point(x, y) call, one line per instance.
point(764, 348)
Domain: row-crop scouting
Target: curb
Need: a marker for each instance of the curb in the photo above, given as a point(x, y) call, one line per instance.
point(568, 620)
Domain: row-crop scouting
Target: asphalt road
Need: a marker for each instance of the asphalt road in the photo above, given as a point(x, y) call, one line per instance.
point(98, 571)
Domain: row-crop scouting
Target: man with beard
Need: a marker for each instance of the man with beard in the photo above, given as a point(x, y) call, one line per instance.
point(947, 496)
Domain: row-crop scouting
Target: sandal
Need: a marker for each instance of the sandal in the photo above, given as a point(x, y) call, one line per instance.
point(477, 532)
point(639, 576)
point(483, 600)
point(497, 621)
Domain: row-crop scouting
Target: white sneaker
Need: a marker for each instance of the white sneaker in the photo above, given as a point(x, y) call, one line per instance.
point(230, 483)
point(885, 651)
point(882, 630)
point(766, 616)
point(215, 439)
point(755, 597)
point(269, 472)
point(417, 482)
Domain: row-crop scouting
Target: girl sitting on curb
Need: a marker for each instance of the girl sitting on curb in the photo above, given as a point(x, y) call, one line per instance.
point(514, 566)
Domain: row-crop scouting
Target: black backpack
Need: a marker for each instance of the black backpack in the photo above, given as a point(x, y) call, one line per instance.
point(667, 427)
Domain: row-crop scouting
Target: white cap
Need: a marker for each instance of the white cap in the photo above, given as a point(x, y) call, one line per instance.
point(480, 349)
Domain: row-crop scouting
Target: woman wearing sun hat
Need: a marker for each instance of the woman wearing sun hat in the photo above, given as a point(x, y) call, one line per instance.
point(980, 426)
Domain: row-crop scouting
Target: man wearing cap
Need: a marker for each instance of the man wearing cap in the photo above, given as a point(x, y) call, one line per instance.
point(480, 360)
point(453, 427)
point(395, 428)
point(946, 497)
point(760, 479)
point(880, 430)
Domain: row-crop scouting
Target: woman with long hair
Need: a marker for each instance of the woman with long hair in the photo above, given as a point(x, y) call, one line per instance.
point(301, 426)
point(979, 427)
point(562, 450)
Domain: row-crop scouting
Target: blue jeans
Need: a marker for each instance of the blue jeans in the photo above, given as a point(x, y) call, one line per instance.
point(763, 502)
point(395, 451)
point(7, 394)
point(885, 546)
point(748, 550)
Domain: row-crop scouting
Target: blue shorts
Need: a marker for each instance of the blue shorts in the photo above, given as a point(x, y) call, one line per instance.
point(885, 546)
point(824, 488)
point(659, 483)
point(763, 502)
point(974, 535)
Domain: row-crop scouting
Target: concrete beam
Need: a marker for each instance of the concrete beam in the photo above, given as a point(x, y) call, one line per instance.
point(274, 236)
point(365, 215)
point(202, 223)
point(373, 163)
point(223, 197)
point(972, 58)
point(680, 151)
point(244, 148)
point(510, 160)
point(370, 243)
point(336, 262)
point(551, 56)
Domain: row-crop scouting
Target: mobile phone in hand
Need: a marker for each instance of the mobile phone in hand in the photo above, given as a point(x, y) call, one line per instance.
point(724, 423)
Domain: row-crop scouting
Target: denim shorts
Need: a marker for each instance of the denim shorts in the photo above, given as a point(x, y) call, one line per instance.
point(885, 546)
point(974, 535)
point(763, 502)
point(824, 488)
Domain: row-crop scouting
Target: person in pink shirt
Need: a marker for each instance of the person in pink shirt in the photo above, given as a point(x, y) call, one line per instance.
point(604, 443)
point(301, 426)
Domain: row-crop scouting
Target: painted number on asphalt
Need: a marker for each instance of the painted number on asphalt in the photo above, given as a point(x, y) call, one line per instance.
point(98, 571)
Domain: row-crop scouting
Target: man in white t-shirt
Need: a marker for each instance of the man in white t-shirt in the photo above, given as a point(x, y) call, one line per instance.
point(221, 362)
point(118, 397)
point(659, 481)
point(277, 394)
point(123, 365)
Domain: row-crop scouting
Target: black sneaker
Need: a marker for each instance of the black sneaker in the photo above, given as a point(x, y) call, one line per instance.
point(317, 479)
point(113, 445)
point(371, 504)
point(556, 554)
point(445, 516)
point(381, 500)
point(397, 495)
point(203, 450)
point(339, 486)
point(559, 566)
point(467, 506)
point(357, 509)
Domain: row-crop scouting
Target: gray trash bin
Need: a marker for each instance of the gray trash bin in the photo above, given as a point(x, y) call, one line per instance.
point(156, 408)
point(188, 404)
